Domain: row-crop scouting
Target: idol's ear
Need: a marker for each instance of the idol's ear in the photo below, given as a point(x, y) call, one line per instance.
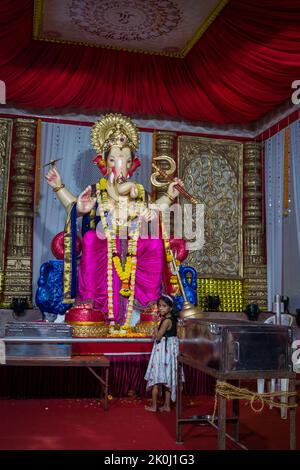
point(135, 164)
point(98, 160)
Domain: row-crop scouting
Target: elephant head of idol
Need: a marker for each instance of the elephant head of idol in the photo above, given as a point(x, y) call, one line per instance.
point(116, 139)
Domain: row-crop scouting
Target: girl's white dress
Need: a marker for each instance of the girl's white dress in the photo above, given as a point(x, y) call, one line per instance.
point(162, 367)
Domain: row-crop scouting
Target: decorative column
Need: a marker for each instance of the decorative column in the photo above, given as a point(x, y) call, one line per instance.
point(5, 153)
point(164, 148)
point(255, 269)
point(18, 273)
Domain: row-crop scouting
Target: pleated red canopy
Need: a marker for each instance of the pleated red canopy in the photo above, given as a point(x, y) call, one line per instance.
point(241, 68)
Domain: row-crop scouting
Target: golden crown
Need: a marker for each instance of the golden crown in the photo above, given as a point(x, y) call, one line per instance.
point(114, 130)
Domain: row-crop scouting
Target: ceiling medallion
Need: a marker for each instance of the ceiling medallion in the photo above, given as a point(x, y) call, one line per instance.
point(125, 20)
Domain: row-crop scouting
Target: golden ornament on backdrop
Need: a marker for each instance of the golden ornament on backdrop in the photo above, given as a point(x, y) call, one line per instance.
point(230, 292)
point(212, 171)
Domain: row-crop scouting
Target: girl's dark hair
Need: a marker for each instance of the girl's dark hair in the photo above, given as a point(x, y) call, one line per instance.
point(169, 300)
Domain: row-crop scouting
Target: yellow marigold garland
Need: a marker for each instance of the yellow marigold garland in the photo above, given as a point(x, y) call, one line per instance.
point(126, 275)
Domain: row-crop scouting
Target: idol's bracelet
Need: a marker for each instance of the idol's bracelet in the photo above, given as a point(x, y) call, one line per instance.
point(58, 187)
point(172, 199)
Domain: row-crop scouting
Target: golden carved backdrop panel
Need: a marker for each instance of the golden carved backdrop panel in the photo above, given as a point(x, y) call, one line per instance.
point(5, 151)
point(212, 171)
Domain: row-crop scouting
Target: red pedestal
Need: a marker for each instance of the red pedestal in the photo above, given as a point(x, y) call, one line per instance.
point(120, 346)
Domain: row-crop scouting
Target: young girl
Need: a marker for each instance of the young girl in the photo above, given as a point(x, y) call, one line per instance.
point(162, 367)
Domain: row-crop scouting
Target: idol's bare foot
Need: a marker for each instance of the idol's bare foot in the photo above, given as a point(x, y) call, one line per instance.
point(150, 408)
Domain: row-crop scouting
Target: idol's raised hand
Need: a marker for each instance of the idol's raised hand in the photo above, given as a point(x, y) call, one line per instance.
point(85, 201)
point(53, 178)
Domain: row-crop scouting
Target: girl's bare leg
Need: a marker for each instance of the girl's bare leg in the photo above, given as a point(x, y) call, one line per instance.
point(153, 406)
point(167, 403)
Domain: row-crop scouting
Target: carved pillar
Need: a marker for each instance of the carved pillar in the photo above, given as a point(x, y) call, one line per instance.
point(5, 152)
point(255, 270)
point(18, 273)
point(164, 147)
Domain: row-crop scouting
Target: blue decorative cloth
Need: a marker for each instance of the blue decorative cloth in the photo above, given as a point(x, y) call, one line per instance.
point(49, 294)
point(189, 285)
point(73, 252)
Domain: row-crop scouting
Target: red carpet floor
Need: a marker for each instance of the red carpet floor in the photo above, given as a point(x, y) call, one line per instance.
point(68, 424)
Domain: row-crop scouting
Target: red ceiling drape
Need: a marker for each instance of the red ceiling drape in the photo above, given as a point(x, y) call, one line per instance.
point(240, 69)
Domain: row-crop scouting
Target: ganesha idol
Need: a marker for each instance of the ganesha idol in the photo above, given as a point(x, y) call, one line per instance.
point(120, 270)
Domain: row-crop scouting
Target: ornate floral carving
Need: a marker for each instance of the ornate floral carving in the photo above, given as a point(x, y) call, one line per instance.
point(212, 171)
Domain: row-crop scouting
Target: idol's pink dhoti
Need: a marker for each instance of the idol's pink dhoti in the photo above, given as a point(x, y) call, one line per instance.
point(92, 272)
